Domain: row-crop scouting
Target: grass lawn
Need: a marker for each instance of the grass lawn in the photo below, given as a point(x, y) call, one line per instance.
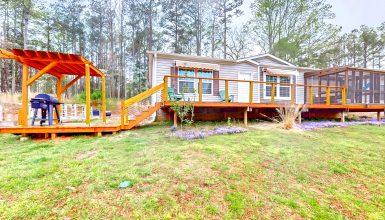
point(333, 173)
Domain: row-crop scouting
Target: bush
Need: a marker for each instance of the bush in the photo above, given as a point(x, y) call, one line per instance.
point(288, 114)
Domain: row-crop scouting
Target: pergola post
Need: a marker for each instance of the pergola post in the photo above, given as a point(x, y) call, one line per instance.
point(104, 98)
point(24, 91)
point(58, 94)
point(88, 94)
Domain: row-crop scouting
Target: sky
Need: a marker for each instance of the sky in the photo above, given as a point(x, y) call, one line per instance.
point(350, 14)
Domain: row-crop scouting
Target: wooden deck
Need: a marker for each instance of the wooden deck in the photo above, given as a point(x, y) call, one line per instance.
point(70, 128)
point(348, 107)
point(99, 129)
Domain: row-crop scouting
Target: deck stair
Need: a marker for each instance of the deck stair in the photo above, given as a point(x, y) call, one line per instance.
point(140, 107)
point(141, 117)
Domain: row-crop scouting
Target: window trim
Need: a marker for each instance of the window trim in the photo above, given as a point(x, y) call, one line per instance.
point(277, 88)
point(184, 80)
point(196, 81)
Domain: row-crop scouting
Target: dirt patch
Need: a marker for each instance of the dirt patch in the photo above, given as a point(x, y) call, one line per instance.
point(59, 139)
point(85, 155)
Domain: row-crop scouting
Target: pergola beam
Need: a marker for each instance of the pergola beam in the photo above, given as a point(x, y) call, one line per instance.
point(97, 71)
point(63, 89)
point(5, 54)
point(41, 72)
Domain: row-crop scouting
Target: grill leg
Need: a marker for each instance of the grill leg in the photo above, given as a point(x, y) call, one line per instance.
point(43, 116)
point(57, 114)
point(50, 114)
point(34, 116)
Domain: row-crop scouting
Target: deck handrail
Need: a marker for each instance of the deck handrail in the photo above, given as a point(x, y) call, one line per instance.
point(141, 96)
point(342, 89)
point(252, 81)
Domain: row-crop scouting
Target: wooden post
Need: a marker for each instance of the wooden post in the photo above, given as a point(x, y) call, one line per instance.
point(378, 116)
point(227, 91)
point(245, 117)
point(343, 96)
point(310, 95)
point(328, 95)
point(343, 117)
point(53, 136)
point(165, 89)
point(122, 114)
point(272, 93)
point(175, 120)
point(251, 93)
point(292, 87)
point(104, 99)
point(200, 89)
point(58, 93)
point(88, 95)
point(24, 92)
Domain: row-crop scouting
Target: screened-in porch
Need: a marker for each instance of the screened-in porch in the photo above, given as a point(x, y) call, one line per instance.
point(363, 86)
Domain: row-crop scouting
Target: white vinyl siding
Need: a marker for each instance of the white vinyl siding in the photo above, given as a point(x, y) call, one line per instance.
point(227, 71)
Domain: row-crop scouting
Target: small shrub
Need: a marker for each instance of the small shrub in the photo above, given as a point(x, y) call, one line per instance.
point(288, 114)
point(184, 110)
point(237, 202)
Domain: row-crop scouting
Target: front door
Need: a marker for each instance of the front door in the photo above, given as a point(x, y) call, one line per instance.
point(243, 87)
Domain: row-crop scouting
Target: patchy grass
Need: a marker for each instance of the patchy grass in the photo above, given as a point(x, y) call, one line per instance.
point(332, 173)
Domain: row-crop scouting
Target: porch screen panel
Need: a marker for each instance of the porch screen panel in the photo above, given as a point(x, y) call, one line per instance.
point(376, 82)
point(382, 88)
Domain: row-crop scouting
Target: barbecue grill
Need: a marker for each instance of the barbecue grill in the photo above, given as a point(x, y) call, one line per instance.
point(45, 102)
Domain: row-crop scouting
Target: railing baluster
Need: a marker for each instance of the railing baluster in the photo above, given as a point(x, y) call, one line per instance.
point(328, 95)
point(272, 93)
point(310, 95)
point(200, 89)
point(292, 87)
point(226, 90)
point(251, 93)
point(165, 89)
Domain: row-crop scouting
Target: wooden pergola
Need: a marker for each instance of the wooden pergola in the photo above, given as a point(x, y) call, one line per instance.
point(59, 65)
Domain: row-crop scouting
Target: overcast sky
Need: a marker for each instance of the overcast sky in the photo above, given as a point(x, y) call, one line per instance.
point(350, 14)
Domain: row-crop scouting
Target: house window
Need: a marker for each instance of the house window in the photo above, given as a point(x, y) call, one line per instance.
point(207, 85)
point(272, 79)
point(282, 90)
point(186, 85)
point(189, 85)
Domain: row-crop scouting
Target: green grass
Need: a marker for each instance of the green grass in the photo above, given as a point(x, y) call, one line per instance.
point(333, 173)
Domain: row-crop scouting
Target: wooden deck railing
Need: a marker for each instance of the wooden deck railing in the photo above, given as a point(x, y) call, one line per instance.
point(308, 90)
point(125, 104)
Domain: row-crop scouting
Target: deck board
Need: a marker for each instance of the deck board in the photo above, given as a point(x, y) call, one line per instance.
point(70, 128)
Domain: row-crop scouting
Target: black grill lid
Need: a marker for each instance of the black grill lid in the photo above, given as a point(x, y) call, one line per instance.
point(46, 97)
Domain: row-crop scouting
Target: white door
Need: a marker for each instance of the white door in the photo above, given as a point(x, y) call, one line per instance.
point(244, 87)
